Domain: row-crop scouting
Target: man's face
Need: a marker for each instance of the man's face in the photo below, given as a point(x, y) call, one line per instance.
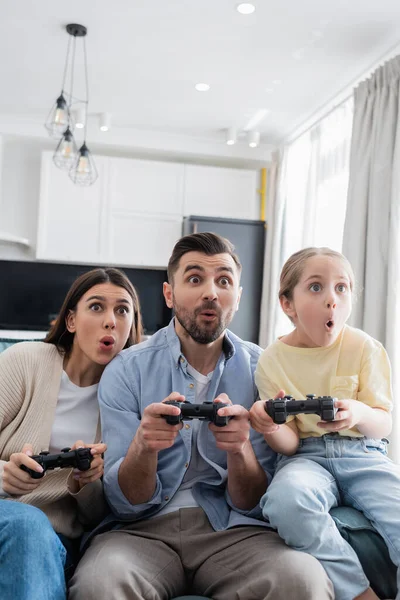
point(204, 294)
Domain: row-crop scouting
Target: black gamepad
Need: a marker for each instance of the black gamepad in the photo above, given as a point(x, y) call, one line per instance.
point(205, 411)
point(280, 408)
point(78, 459)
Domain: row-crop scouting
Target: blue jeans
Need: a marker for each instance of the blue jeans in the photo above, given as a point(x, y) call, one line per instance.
point(327, 472)
point(31, 555)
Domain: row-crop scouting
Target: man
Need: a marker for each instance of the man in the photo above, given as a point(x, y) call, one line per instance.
point(187, 495)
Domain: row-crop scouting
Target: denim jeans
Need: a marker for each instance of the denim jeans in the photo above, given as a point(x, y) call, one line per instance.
point(31, 555)
point(327, 472)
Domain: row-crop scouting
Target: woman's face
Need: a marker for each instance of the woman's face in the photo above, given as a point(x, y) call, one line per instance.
point(101, 322)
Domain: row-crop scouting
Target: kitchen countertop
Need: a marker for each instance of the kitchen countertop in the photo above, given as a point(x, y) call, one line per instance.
point(12, 334)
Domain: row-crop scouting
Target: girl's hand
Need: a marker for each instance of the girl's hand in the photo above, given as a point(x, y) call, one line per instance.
point(260, 420)
point(349, 414)
point(96, 467)
point(17, 482)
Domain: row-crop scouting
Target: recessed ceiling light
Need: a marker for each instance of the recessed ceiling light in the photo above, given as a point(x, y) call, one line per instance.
point(202, 87)
point(245, 8)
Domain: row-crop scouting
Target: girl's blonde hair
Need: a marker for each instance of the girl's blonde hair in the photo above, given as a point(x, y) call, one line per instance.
point(294, 267)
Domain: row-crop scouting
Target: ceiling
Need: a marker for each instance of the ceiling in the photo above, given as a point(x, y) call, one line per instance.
point(287, 59)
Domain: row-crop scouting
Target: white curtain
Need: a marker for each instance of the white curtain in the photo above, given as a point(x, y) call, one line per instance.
point(308, 206)
point(372, 227)
point(273, 248)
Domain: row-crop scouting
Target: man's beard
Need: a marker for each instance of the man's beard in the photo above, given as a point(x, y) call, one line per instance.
point(207, 332)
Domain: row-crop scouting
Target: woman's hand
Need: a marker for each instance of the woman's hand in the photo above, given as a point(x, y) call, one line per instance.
point(17, 482)
point(96, 467)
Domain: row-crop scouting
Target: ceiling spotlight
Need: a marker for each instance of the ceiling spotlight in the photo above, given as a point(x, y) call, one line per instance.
point(231, 136)
point(202, 87)
point(104, 121)
point(245, 8)
point(79, 117)
point(253, 137)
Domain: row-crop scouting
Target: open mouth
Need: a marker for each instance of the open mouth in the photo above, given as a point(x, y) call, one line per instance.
point(329, 325)
point(107, 342)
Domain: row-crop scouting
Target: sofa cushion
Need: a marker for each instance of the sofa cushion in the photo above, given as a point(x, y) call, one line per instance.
point(370, 548)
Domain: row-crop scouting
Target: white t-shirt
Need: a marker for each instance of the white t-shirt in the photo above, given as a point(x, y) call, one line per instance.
point(76, 416)
point(199, 469)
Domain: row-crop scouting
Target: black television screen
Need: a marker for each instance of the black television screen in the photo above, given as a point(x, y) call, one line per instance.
point(32, 293)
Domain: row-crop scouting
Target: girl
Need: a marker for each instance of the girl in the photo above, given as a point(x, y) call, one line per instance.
point(325, 464)
point(48, 401)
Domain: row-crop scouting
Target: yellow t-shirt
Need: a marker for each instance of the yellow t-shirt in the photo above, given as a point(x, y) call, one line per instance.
point(354, 367)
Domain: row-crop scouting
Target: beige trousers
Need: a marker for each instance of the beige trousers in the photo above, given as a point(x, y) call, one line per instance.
point(178, 553)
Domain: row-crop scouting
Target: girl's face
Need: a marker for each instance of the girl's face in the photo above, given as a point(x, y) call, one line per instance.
point(101, 322)
point(321, 302)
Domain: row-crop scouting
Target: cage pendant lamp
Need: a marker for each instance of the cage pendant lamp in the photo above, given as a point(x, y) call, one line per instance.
point(66, 151)
point(58, 118)
point(83, 170)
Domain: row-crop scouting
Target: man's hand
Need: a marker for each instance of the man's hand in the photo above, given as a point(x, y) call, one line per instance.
point(17, 482)
point(234, 436)
point(96, 466)
point(154, 433)
point(138, 471)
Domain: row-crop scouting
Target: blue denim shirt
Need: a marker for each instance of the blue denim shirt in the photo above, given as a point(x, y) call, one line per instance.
point(148, 373)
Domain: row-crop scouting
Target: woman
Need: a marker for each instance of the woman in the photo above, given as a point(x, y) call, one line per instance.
point(48, 401)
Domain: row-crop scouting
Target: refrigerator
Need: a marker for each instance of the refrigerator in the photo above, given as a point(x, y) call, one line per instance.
point(248, 237)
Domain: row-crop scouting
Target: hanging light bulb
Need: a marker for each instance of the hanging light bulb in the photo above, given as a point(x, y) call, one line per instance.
point(58, 118)
point(66, 152)
point(83, 171)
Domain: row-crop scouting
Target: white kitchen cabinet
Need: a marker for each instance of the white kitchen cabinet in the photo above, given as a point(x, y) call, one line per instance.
point(143, 240)
point(221, 192)
point(133, 214)
point(70, 216)
point(146, 186)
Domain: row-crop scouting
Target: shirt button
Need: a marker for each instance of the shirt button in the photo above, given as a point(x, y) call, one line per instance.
point(182, 359)
point(187, 426)
point(186, 465)
point(166, 497)
point(191, 385)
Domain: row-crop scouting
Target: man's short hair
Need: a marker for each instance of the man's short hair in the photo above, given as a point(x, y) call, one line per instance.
point(207, 243)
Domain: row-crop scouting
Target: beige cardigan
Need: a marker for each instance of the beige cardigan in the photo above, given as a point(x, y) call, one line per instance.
point(30, 376)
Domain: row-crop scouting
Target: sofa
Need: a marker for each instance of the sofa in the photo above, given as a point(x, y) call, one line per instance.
point(356, 530)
